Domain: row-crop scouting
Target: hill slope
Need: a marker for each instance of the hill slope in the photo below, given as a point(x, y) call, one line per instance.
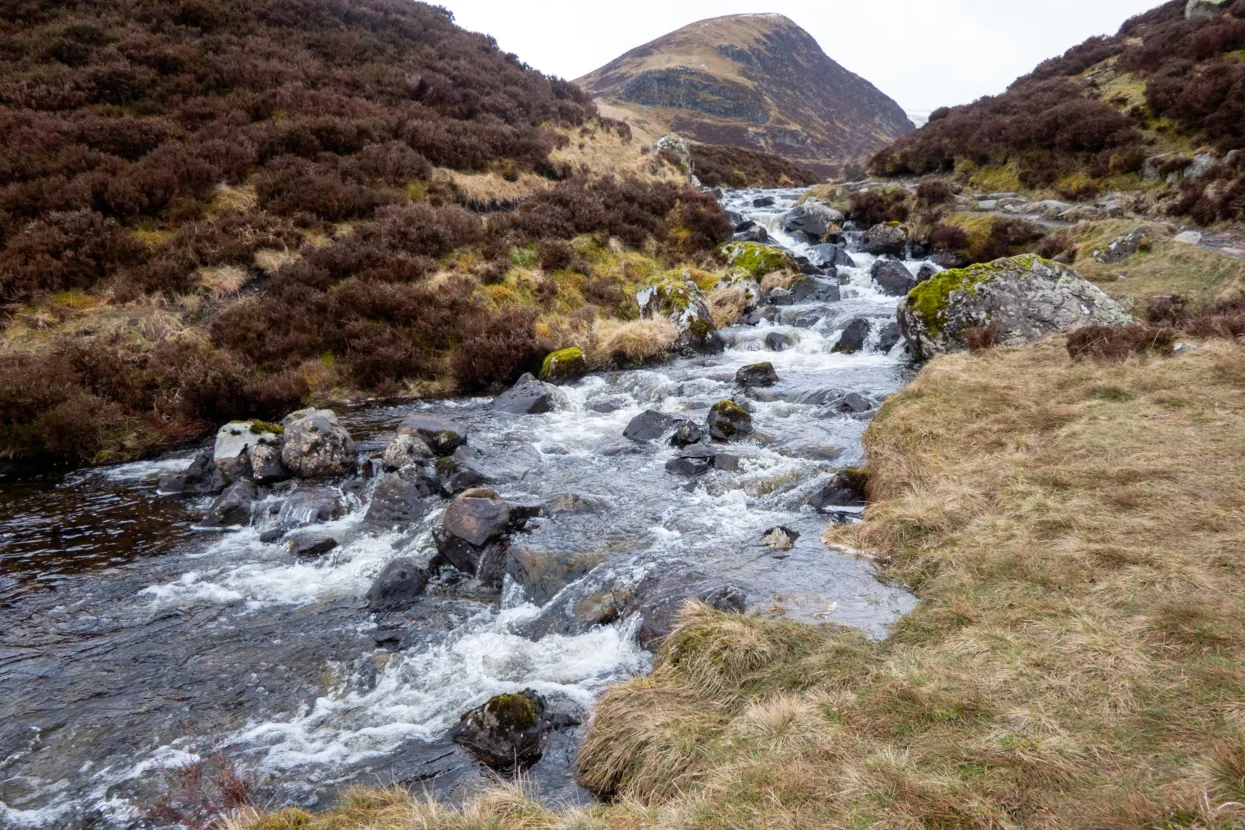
point(756, 81)
point(223, 209)
point(1120, 113)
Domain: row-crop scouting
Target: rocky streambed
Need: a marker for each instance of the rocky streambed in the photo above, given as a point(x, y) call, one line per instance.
point(375, 573)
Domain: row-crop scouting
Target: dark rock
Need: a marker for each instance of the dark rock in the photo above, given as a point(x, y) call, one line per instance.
point(700, 341)
point(478, 517)
point(949, 259)
point(527, 397)
point(848, 488)
point(890, 336)
point(399, 585)
point(401, 498)
point(461, 472)
point(756, 234)
point(266, 464)
point(853, 402)
point(812, 290)
point(312, 545)
point(659, 599)
point(272, 535)
point(927, 272)
point(202, 478)
point(892, 277)
point(442, 436)
point(776, 341)
point(310, 505)
point(697, 460)
point(885, 240)
point(835, 255)
point(813, 218)
point(744, 226)
point(763, 202)
point(317, 446)
point(649, 426)
point(508, 732)
point(780, 297)
point(756, 375)
point(544, 573)
point(853, 337)
point(686, 434)
point(232, 508)
point(473, 536)
point(728, 421)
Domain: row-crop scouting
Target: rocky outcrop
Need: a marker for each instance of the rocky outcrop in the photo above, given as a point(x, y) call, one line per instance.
point(1203, 9)
point(508, 732)
point(1124, 247)
point(317, 446)
point(1027, 297)
point(678, 299)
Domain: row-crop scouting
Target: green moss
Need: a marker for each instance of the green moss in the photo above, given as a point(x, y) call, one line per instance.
point(930, 298)
point(756, 260)
point(525, 257)
point(563, 363)
point(513, 711)
point(262, 427)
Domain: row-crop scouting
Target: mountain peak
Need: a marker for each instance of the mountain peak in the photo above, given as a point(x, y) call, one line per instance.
point(749, 80)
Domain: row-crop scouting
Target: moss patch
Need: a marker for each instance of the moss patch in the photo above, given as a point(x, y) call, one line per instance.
point(514, 712)
point(930, 298)
point(756, 260)
point(563, 363)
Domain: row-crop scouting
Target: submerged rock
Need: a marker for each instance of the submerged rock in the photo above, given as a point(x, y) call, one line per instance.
point(758, 374)
point(441, 435)
point(508, 732)
point(1027, 297)
point(317, 446)
point(398, 586)
point(729, 421)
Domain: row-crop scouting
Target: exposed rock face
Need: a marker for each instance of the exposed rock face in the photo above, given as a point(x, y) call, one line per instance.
point(757, 81)
point(1027, 297)
point(398, 586)
point(1202, 9)
point(677, 147)
point(317, 446)
point(507, 732)
point(892, 277)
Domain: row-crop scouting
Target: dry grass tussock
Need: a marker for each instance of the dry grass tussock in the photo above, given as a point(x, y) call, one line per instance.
point(1074, 530)
point(636, 341)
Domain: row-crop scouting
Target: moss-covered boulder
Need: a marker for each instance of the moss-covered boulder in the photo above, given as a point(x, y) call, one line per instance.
point(564, 364)
point(1025, 297)
point(508, 732)
point(677, 298)
point(756, 260)
point(728, 421)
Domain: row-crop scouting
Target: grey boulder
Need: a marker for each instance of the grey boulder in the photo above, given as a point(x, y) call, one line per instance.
point(441, 435)
point(201, 478)
point(233, 507)
point(853, 338)
point(893, 278)
point(528, 397)
point(401, 497)
point(887, 239)
point(317, 446)
point(404, 451)
point(398, 586)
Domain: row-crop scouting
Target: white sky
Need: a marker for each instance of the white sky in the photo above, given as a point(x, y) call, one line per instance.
point(923, 53)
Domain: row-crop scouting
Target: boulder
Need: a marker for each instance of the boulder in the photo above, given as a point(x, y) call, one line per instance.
point(853, 338)
point(528, 397)
point(776, 341)
point(401, 498)
point(508, 732)
point(398, 586)
point(764, 202)
point(311, 545)
point(889, 338)
point(698, 459)
point(780, 297)
point(202, 478)
point(756, 233)
point(893, 278)
point(814, 218)
point(1027, 297)
point(266, 464)
point(462, 471)
point(563, 365)
point(317, 446)
point(885, 240)
point(779, 538)
point(659, 599)
point(473, 535)
point(233, 507)
point(851, 403)
point(848, 488)
point(544, 573)
point(728, 421)
point(310, 505)
point(478, 517)
point(442, 436)
point(1188, 238)
point(830, 255)
point(1204, 9)
point(927, 272)
point(1123, 247)
point(649, 426)
point(677, 149)
point(679, 300)
point(686, 434)
point(810, 289)
point(758, 374)
point(235, 438)
point(404, 451)
point(756, 260)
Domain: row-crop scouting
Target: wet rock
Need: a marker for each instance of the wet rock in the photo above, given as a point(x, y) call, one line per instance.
point(699, 341)
point(201, 478)
point(235, 438)
point(478, 517)
point(572, 503)
point(317, 446)
point(232, 508)
point(402, 498)
point(885, 240)
point(544, 573)
point(310, 505)
point(813, 218)
point(266, 464)
point(780, 297)
point(743, 225)
point(686, 434)
point(404, 451)
point(949, 259)
point(473, 535)
point(852, 402)
point(776, 341)
point(508, 732)
point(763, 202)
point(757, 375)
point(779, 538)
point(649, 426)
point(311, 545)
point(728, 421)
point(756, 233)
point(893, 278)
point(461, 473)
point(830, 255)
point(853, 338)
point(275, 534)
point(698, 459)
point(398, 586)
point(659, 599)
point(848, 488)
point(528, 397)
point(564, 365)
point(813, 290)
point(1027, 297)
point(1123, 247)
point(928, 271)
point(889, 338)
point(442, 436)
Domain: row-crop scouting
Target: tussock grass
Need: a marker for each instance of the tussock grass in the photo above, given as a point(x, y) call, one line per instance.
point(635, 341)
point(1075, 532)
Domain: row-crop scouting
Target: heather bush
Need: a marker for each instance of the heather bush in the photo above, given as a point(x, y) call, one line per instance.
point(1117, 343)
point(63, 251)
point(983, 338)
point(738, 168)
point(934, 192)
point(873, 207)
point(499, 352)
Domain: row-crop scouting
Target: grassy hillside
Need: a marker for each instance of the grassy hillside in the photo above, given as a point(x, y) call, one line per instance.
point(1164, 88)
point(223, 209)
point(756, 81)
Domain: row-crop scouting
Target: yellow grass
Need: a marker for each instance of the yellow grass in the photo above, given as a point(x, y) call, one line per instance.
point(1076, 535)
point(637, 341)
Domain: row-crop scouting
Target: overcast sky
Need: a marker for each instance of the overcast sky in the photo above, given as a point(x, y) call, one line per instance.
point(923, 53)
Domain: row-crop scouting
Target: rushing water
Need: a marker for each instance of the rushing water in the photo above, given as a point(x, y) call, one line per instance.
point(131, 645)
